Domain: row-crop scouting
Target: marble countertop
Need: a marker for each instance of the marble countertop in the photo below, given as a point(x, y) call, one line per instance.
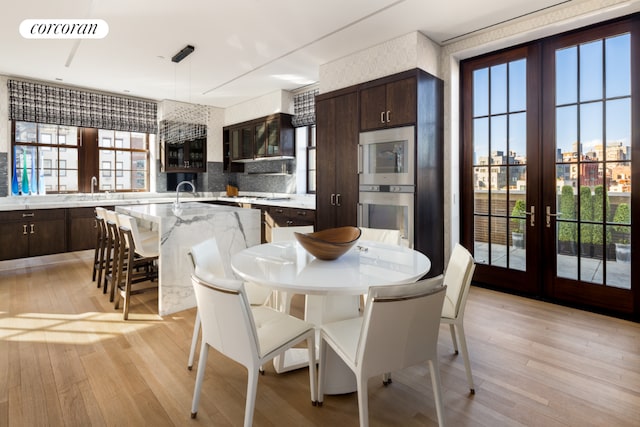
point(294, 201)
point(53, 201)
point(188, 208)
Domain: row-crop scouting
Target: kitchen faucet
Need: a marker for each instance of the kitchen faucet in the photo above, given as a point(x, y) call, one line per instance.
point(94, 183)
point(176, 204)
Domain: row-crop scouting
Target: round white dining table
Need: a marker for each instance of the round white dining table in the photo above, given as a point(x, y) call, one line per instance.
point(287, 266)
point(333, 288)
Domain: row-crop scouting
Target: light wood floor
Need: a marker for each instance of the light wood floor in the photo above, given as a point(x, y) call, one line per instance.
point(68, 359)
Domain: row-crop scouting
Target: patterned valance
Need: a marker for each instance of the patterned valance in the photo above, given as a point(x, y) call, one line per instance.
point(304, 108)
point(40, 103)
point(176, 132)
point(182, 121)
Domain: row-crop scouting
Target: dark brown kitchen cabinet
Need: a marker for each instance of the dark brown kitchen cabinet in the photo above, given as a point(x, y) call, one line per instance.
point(186, 156)
point(32, 233)
point(280, 216)
point(388, 104)
point(267, 141)
point(269, 136)
point(410, 98)
point(81, 228)
point(336, 154)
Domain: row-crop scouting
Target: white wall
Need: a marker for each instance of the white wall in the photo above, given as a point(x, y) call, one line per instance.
point(280, 101)
point(407, 52)
point(214, 134)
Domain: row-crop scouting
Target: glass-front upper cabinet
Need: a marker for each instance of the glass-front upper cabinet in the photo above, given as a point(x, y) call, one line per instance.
point(270, 136)
point(186, 156)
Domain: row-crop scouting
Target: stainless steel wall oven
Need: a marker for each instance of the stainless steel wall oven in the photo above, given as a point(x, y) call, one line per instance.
point(386, 169)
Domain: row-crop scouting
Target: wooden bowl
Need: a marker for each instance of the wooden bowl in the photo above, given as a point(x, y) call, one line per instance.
point(329, 244)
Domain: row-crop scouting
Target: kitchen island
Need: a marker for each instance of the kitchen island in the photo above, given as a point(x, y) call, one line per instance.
point(179, 229)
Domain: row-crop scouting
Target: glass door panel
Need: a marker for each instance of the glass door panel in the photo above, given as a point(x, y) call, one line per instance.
point(593, 161)
point(500, 164)
point(547, 167)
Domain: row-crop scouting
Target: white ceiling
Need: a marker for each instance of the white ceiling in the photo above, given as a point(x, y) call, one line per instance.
point(243, 48)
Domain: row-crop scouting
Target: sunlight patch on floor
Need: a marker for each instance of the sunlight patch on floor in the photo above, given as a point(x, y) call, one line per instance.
point(84, 328)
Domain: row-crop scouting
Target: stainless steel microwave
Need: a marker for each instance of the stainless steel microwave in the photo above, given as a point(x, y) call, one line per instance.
point(387, 156)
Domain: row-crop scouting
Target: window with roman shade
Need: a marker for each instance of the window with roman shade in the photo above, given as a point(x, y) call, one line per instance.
point(40, 103)
point(304, 108)
point(59, 139)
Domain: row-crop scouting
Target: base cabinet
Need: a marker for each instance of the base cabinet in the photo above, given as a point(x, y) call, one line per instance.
point(32, 233)
point(81, 229)
point(37, 232)
point(277, 216)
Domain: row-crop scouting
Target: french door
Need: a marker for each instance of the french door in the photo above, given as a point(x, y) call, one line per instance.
point(547, 166)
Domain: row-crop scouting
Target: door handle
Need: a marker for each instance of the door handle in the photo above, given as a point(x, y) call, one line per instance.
point(532, 216)
point(338, 199)
point(549, 215)
point(333, 199)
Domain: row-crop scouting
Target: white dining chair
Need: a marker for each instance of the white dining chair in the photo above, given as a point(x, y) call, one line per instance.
point(399, 329)
point(207, 263)
point(457, 279)
point(383, 235)
point(248, 336)
point(281, 234)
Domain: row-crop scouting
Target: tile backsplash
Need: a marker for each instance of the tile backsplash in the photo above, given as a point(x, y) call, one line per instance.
point(272, 176)
point(4, 171)
point(269, 176)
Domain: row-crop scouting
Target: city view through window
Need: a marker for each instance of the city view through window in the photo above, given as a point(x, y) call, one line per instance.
point(591, 151)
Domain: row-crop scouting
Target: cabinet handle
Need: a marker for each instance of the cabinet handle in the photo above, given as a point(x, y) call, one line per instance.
point(28, 215)
point(95, 223)
point(24, 229)
point(333, 199)
point(302, 213)
point(338, 199)
point(388, 116)
point(32, 229)
point(279, 211)
point(289, 223)
point(382, 117)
